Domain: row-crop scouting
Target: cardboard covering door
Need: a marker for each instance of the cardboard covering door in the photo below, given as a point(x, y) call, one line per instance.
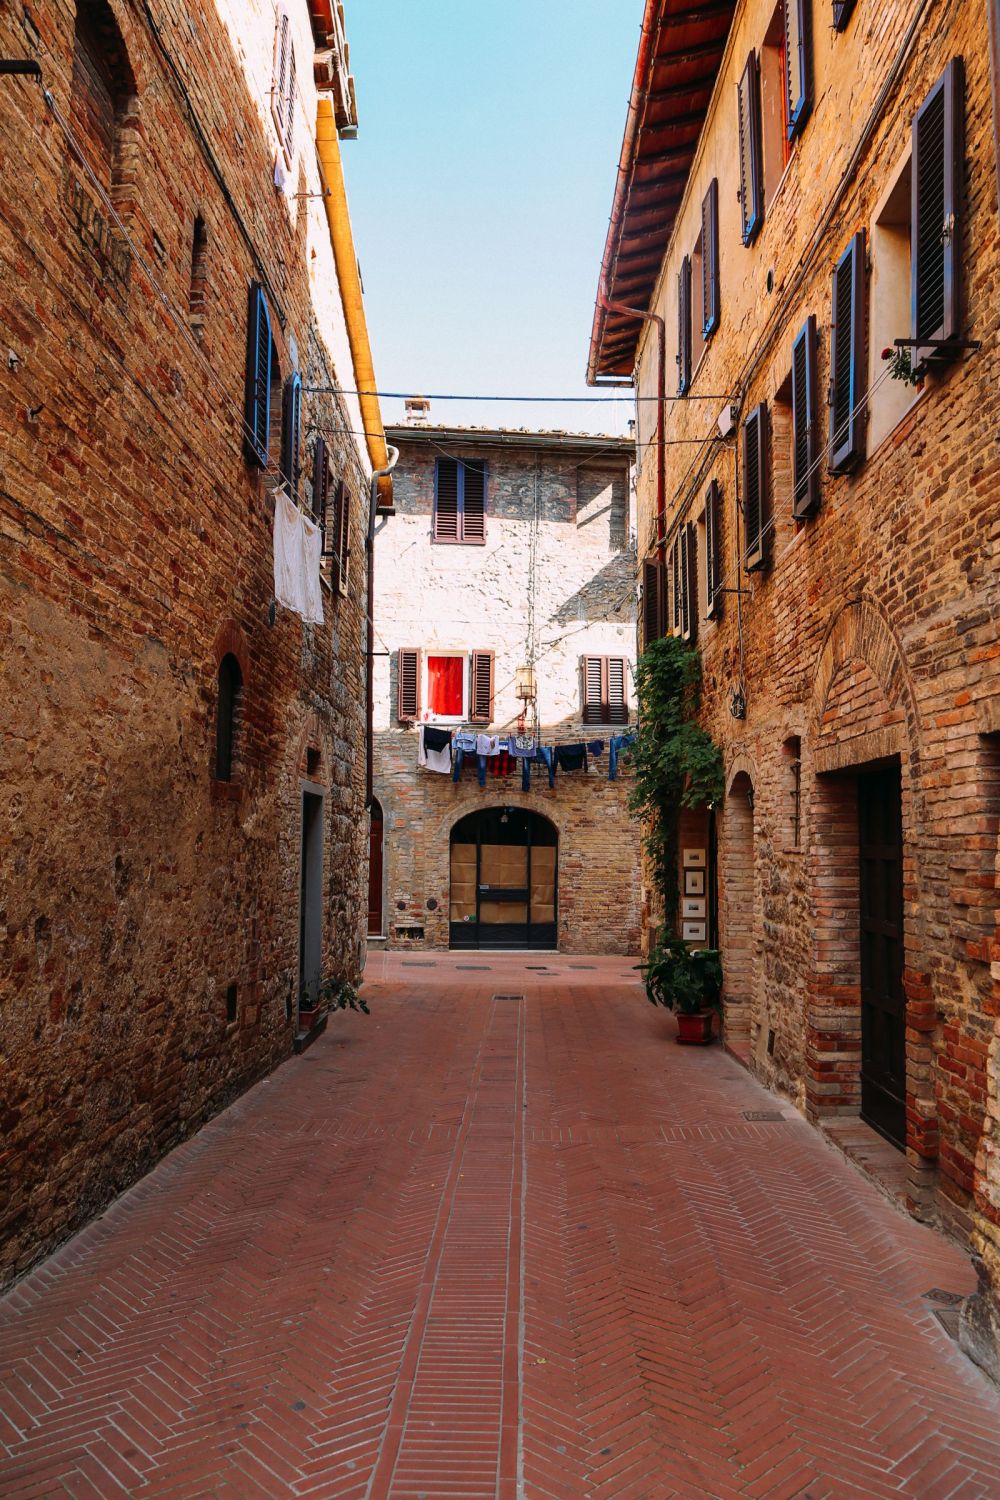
point(503, 880)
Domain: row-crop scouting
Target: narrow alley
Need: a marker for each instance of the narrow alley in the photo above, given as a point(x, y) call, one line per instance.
point(500, 1238)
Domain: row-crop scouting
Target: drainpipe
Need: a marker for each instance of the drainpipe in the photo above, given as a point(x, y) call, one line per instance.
point(661, 383)
point(392, 454)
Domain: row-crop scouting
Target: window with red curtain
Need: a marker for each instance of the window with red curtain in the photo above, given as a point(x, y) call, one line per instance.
point(445, 685)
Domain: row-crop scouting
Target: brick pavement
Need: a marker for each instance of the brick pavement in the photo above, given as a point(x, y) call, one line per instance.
point(478, 1246)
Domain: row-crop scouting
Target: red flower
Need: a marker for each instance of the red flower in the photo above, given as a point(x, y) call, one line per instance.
point(887, 353)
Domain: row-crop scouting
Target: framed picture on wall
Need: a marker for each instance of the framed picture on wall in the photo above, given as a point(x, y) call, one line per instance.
point(694, 882)
point(693, 932)
point(693, 906)
point(693, 859)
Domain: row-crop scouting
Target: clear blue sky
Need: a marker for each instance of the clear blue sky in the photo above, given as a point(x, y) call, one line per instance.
point(480, 188)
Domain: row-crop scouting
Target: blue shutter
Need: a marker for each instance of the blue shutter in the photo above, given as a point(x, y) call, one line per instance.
point(291, 422)
point(258, 378)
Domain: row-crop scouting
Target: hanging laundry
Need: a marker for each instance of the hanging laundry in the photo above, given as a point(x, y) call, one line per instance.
point(465, 741)
point(523, 746)
point(501, 764)
point(595, 747)
point(483, 744)
point(544, 754)
point(434, 749)
point(619, 742)
point(312, 556)
point(288, 562)
point(571, 757)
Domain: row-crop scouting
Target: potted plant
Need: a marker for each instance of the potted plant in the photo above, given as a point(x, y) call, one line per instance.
point(687, 981)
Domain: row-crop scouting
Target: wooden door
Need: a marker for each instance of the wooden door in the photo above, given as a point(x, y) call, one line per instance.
point(375, 872)
point(883, 1009)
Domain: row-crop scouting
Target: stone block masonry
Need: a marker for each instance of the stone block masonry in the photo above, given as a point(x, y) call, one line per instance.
point(149, 911)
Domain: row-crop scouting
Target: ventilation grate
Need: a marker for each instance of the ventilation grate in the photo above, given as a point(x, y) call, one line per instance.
point(763, 1114)
point(946, 1299)
point(508, 997)
point(418, 963)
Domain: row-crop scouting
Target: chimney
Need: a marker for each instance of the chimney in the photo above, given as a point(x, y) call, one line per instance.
point(418, 411)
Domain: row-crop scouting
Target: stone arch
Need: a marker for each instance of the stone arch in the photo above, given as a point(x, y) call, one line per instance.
point(860, 631)
point(739, 928)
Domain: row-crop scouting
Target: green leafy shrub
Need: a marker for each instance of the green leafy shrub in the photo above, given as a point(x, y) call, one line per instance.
point(683, 979)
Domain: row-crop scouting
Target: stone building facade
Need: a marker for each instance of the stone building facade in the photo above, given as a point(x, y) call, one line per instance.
point(800, 187)
point(539, 572)
point(172, 740)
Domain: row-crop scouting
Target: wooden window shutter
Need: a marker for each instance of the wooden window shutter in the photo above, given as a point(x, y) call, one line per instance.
point(289, 140)
point(407, 683)
point(713, 550)
point(798, 64)
point(805, 467)
point(446, 501)
point(936, 176)
point(675, 595)
point(291, 432)
point(257, 408)
point(751, 159)
point(595, 695)
point(842, 14)
point(279, 80)
point(688, 559)
point(342, 537)
point(617, 702)
point(684, 327)
point(847, 358)
point(710, 259)
point(481, 687)
point(473, 528)
point(755, 489)
point(652, 601)
point(321, 489)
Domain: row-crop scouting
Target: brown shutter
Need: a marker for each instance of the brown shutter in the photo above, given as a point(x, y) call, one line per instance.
point(713, 550)
point(675, 564)
point(652, 603)
point(595, 694)
point(481, 687)
point(407, 683)
point(291, 433)
point(617, 704)
point(710, 259)
point(755, 495)
point(684, 327)
point(936, 176)
point(446, 501)
point(798, 64)
point(688, 545)
point(842, 13)
point(321, 489)
point(751, 160)
point(805, 467)
point(847, 358)
point(289, 141)
point(279, 82)
point(473, 527)
point(343, 562)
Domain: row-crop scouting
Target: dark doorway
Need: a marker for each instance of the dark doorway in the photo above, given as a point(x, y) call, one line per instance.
point(311, 894)
point(504, 876)
point(375, 836)
point(883, 1009)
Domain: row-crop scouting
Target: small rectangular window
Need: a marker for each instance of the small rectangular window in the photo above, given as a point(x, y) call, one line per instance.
point(460, 501)
point(446, 685)
point(604, 694)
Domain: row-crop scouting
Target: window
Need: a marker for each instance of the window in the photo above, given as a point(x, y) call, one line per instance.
point(199, 276)
point(407, 683)
point(792, 759)
point(684, 327)
point(842, 14)
point(446, 685)
point(481, 687)
point(291, 433)
point(257, 410)
point(103, 86)
point(687, 585)
point(847, 356)
point(890, 311)
point(653, 601)
point(751, 161)
point(709, 242)
point(283, 87)
point(713, 551)
point(228, 709)
point(604, 699)
point(937, 170)
point(232, 1003)
point(798, 65)
point(805, 469)
point(774, 102)
point(460, 501)
point(755, 489)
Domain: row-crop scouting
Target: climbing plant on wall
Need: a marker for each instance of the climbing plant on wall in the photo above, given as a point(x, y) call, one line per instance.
point(675, 762)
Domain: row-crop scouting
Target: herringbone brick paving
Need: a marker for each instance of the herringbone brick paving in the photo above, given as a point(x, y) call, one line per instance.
point(477, 1246)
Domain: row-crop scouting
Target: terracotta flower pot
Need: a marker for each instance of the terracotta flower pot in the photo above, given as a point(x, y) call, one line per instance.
point(695, 1030)
point(308, 1018)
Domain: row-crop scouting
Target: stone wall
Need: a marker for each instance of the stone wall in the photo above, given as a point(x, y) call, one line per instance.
point(466, 597)
point(871, 637)
point(135, 551)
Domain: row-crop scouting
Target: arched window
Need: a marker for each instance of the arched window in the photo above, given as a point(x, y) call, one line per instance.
point(103, 85)
point(230, 704)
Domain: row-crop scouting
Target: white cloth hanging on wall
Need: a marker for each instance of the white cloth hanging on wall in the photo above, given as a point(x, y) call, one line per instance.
point(312, 591)
point(288, 562)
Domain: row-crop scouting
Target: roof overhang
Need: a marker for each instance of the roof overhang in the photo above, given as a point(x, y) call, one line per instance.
point(680, 49)
point(580, 444)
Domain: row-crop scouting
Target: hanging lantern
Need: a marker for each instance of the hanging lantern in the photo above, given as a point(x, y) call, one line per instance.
point(524, 684)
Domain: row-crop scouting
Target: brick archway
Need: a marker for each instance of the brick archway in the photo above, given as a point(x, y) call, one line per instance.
point(738, 904)
point(864, 714)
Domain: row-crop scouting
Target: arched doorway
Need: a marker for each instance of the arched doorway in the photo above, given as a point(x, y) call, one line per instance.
point(376, 829)
point(504, 880)
point(738, 908)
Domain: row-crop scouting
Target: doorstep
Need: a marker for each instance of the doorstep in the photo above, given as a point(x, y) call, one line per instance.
point(306, 1038)
point(871, 1153)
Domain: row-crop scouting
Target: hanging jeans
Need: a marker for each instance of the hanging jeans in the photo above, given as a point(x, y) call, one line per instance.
point(619, 742)
point(460, 755)
point(545, 756)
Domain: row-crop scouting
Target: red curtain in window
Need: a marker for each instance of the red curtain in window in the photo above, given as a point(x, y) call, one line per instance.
point(444, 685)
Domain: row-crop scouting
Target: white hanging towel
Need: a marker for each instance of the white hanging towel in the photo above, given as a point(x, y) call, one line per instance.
point(433, 760)
point(288, 565)
point(312, 592)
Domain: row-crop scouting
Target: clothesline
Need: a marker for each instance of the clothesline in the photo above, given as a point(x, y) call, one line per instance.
point(446, 751)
